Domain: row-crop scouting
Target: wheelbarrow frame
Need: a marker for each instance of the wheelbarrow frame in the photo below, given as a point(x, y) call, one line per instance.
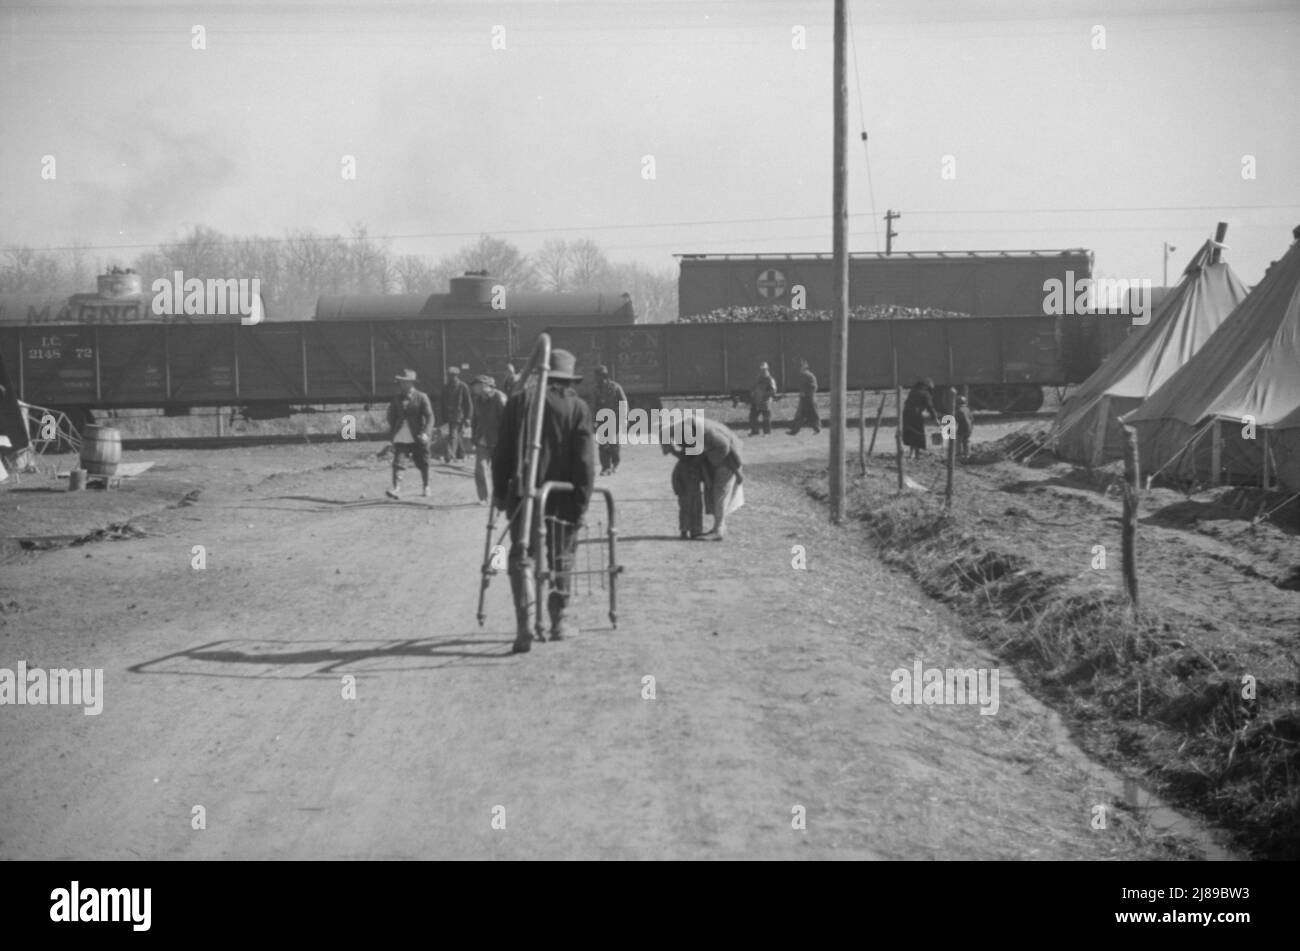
point(544, 577)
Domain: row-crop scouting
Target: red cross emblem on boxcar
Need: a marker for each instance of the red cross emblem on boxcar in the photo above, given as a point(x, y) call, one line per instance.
point(771, 283)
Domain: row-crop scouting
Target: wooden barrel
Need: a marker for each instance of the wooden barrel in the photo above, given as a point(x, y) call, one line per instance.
point(101, 450)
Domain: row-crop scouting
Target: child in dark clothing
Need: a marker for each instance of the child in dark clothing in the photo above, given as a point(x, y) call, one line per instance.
point(965, 425)
point(688, 486)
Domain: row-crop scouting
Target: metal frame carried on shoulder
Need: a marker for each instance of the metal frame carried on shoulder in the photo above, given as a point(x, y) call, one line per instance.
point(532, 505)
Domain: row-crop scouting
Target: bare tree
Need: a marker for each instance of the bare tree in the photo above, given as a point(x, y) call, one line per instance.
point(311, 265)
point(552, 265)
point(29, 271)
point(413, 274)
point(371, 265)
point(588, 265)
point(201, 253)
point(79, 273)
point(654, 293)
point(499, 258)
point(18, 276)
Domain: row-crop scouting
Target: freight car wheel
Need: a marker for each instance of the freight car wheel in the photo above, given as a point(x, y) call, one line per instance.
point(1028, 399)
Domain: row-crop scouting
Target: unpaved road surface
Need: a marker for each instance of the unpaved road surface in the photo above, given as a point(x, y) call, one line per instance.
point(224, 688)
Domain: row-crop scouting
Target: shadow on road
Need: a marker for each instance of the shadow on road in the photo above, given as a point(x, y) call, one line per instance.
point(324, 504)
point(269, 657)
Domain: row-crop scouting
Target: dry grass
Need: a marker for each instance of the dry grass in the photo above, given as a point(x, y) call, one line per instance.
point(1156, 690)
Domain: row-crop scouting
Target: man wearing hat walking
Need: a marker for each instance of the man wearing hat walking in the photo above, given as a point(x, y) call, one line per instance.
point(457, 410)
point(807, 410)
point(760, 401)
point(567, 454)
point(410, 420)
point(609, 398)
point(489, 402)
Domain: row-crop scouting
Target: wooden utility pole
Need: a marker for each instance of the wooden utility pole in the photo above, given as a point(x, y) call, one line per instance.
point(840, 236)
point(890, 233)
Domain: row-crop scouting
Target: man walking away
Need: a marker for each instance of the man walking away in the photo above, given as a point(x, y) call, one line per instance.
point(410, 420)
point(457, 410)
point(567, 455)
point(609, 398)
point(489, 402)
point(760, 401)
point(807, 411)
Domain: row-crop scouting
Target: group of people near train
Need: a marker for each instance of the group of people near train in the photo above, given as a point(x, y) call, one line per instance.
point(707, 477)
point(412, 423)
point(918, 407)
point(764, 392)
point(708, 464)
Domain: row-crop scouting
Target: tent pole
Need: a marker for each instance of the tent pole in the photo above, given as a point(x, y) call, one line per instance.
point(1265, 474)
point(1216, 453)
point(1128, 535)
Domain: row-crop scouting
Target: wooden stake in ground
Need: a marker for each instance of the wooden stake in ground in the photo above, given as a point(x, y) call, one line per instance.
point(880, 411)
point(862, 432)
point(898, 435)
point(1129, 537)
point(951, 443)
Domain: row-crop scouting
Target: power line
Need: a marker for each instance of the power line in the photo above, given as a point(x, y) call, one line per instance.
point(495, 232)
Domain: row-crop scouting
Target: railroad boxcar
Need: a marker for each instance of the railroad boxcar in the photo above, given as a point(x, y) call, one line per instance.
point(109, 350)
point(266, 368)
point(682, 359)
point(983, 284)
point(979, 283)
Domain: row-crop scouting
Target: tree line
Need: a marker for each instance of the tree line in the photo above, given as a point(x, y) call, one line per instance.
point(297, 269)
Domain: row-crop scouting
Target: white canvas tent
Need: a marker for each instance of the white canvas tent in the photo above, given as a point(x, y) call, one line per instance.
point(1087, 428)
point(1232, 413)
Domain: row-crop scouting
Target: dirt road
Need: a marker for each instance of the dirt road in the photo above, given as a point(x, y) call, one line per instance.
point(225, 688)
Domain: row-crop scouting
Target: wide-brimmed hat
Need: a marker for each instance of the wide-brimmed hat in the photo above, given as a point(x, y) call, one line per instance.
point(602, 370)
point(406, 376)
point(563, 363)
point(455, 371)
point(484, 379)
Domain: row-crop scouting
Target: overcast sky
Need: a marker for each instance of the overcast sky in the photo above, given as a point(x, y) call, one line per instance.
point(1054, 143)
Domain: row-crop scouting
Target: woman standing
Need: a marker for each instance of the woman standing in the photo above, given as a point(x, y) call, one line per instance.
point(920, 402)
